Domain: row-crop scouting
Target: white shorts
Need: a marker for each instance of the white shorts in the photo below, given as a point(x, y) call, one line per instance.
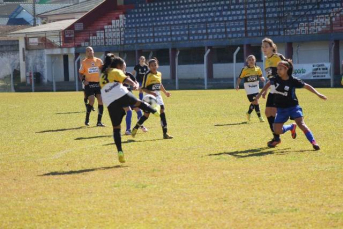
point(159, 100)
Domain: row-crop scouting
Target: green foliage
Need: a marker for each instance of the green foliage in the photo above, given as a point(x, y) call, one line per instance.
point(216, 173)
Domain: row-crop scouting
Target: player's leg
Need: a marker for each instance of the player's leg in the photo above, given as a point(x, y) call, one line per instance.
point(281, 117)
point(139, 115)
point(85, 99)
point(139, 123)
point(257, 108)
point(140, 91)
point(100, 109)
point(89, 107)
point(164, 124)
point(128, 120)
point(308, 133)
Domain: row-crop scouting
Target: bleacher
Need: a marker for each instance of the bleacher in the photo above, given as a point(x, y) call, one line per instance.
point(196, 20)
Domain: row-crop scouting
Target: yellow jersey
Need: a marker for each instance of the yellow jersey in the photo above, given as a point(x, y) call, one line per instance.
point(90, 69)
point(152, 81)
point(271, 64)
point(251, 78)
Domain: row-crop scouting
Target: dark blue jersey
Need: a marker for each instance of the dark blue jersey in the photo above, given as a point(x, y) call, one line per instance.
point(132, 78)
point(284, 95)
point(140, 72)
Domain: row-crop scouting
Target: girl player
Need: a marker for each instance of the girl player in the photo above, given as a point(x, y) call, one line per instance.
point(269, 49)
point(152, 84)
point(129, 109)
point(140, 70)
point(116, 96)
point(287, 103)
point(251, 75)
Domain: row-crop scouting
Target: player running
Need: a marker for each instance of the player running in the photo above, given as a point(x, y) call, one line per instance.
point(116, 96)
point(152, 84)
point(89, 68)
point(251, 75)
point(140, 70)
point(287, 103)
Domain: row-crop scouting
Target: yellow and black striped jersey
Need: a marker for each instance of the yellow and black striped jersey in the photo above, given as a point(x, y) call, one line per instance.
point(113, 75)
point(251, 74)
point(152, 81)
point(271, 64)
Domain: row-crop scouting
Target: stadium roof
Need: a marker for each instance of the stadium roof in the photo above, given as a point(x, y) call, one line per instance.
point(7, 9)
point(50, 27)
point(7, 29)
point(76, 8)
point(42, 8)
point(3, 20)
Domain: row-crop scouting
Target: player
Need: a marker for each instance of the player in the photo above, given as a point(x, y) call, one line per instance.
point(287, 103)
point(129, 109)
point(90, 69)
point(269, 49)
point(140, 70)
point(251, 75)
point(116, 96)
point(152, 84)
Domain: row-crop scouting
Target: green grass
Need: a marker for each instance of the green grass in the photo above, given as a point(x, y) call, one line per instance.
point(215, 173)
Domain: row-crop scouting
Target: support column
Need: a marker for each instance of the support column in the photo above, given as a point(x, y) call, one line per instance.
point(289, 50)
point(336, 57)
point(172, 63)
point(209, 62)
point(247, 51)
point(22, 59)
point(138, 54)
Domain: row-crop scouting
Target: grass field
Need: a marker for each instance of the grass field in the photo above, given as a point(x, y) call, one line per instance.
point(215, 173)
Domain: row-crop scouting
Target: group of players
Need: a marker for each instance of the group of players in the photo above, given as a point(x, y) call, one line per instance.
point(113, 87)
point(109, 82)
point(282, 102)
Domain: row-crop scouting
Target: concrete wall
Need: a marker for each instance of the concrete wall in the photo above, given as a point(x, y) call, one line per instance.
point(311, 52)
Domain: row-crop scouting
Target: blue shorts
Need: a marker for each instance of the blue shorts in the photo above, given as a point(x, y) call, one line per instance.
point(283, 114)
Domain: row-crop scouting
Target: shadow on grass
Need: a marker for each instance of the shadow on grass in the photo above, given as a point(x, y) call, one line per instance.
point(81, 171)
point(232, 124)
point(93, 137)
point(72, 112)
point(60, 130)
point(135, 141)
point(263, 151)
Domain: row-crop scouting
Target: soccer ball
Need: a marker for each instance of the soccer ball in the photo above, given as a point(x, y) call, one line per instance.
point(150, 99)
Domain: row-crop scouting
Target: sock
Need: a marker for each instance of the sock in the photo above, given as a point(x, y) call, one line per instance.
point(139, 114)
point(140, 122)
point(89, 109)
point(257, 109)
point(309, 136)
point(85, 100)
point(163, 122)
point(271, 122)
point(128, 119)
point(147, 108)
point(117, 139)
point(140, 96)
point(251, 108)
point(286, 128)
point(100, 111)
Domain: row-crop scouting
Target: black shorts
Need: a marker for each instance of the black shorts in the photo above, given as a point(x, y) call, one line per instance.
point(116, 111)
point(252, 97)
point(270, 100)
point(93, 88)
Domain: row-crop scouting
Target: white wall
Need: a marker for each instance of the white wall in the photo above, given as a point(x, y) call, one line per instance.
point(341, 56)
point(311, 52)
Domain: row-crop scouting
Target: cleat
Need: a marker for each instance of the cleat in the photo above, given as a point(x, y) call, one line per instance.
point(315, 145)
point(261, 119)
point(134, 132)
point(167, 136)
point(273, 143)
point(294, 134)
point(144, 129)
point(128, 132)
point(93, 109)
point(158, 109)
point(248, 117)
point(121, 157)
point(87, 122)
point(100, 124)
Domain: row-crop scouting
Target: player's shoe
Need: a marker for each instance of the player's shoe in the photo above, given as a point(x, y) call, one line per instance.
point(248, 117)
point(167, 136)
point(144, 129)
point(128, 132)
point(293, 133)
point(261, 119)
point(93, 109)
point(158, 110)
point(315, 145)
point(273, 143)
point(100, 124)
point(121, 157)
point(87, 122)
point(134, 132)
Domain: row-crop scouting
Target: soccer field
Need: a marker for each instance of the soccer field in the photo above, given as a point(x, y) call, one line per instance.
point(216, 173)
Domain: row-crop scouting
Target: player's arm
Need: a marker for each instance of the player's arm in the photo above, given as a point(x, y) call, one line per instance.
point(240, 77)
point(311, 89)
point(264, 90)
point(131, 83)
point(238, 82)
point(164, 91)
